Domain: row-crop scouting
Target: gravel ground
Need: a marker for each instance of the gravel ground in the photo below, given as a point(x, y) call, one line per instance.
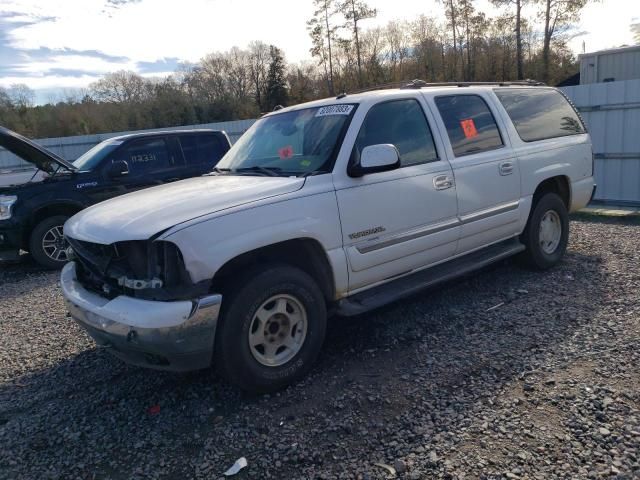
point(546, 385)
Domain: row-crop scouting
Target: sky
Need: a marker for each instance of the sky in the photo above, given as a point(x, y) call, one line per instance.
point(58, 45)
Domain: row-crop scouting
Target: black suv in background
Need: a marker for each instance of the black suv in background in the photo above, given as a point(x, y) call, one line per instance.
point(33, 213)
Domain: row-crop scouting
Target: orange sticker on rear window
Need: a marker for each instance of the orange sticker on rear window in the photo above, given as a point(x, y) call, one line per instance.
point(469, 128)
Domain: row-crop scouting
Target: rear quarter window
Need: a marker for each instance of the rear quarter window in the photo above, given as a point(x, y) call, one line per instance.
point(539, 113)
point(470, 124)
point(204, 150)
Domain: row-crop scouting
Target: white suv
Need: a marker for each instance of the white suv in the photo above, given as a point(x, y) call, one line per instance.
point(334, 206)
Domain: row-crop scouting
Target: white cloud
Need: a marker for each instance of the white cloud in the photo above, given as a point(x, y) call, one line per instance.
point(82, 63)
point(152, 30)
point(50, 81)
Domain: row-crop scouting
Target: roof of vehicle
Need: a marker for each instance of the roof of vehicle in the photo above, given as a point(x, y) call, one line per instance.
point(401, 89)
point(163, 132)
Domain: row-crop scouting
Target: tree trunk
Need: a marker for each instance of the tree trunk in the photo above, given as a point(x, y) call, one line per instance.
point(520, 72)
point(444, 64)
point(468, 75)
point(355, 32)
point(455, 43)
point(326, 19)
point(547, 42)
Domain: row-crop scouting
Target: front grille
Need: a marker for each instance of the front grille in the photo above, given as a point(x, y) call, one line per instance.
point(102, 268)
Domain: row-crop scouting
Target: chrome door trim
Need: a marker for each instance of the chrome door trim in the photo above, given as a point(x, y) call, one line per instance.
point(411, 235)
point(373, 245)
point(489, 212)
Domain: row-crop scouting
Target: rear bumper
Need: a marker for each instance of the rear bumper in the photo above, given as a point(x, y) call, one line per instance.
point(176, 336)
point(582, 193)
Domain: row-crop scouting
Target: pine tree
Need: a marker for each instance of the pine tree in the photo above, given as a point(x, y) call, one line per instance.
point(354, 11)
point(277, 92)
point(320, 29)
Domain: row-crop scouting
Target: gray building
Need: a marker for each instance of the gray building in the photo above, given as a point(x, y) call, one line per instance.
point(613, 65)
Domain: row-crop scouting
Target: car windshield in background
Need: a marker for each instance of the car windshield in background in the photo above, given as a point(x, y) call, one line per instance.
point(90, 160)
point(291, 143)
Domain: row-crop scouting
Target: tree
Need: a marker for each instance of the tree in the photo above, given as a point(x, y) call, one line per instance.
point(321, 29)
point(276, 79)
point(635, 31)
point(427, 47)
point(21, 96)
point(354, 11)
point(556, 15)
point(120, 87)
point(518, 4)
point(451, 14)
point(258, 59)
point(398, 48)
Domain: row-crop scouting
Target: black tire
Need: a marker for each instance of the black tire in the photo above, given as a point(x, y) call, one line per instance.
point(535, 256)
point(36, 247)
point(233, 355)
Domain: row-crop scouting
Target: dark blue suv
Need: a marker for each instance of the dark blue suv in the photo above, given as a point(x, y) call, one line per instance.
point(33, 213)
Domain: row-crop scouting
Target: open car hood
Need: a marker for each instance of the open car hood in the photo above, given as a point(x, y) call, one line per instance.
point(31, 152)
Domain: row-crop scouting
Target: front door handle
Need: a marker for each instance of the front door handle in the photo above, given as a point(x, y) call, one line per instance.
point(506, 168)
point(442, 182)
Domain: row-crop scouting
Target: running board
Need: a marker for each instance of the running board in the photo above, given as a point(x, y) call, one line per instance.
point(405, 286)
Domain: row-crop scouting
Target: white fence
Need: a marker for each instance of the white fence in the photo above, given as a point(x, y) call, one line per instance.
point(71, 148)
point(612, 114)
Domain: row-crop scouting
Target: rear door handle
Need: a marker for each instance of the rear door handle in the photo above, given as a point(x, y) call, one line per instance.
point(506, 168)
point(442, 182)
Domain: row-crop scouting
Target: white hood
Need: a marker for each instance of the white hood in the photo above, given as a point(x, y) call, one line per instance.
point(140, 215)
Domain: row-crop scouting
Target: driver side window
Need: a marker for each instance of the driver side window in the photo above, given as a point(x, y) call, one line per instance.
point(401, 123)
point(145, 156)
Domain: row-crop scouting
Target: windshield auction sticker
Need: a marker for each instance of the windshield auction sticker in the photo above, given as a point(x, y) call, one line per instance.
point(334, 110)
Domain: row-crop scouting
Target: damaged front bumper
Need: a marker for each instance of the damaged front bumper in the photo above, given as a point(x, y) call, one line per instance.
point(177, 336)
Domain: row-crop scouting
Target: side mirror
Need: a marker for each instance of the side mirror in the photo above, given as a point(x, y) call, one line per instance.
point(376, 158)
point(118, 168)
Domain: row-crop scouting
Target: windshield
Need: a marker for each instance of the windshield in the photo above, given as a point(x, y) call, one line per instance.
point(291, 143)
point(90, 160)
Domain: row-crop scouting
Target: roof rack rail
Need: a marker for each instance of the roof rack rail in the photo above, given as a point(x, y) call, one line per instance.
point(417, 83)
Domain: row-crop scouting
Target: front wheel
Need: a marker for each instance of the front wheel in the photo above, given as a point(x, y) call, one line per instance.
point(272, 328)
point(47, 244)
point(547, 233)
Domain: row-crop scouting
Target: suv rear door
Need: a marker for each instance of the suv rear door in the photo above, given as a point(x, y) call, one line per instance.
point(484, 165)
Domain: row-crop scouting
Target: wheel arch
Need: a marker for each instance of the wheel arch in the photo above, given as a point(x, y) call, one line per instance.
point(46, 211)
point(558, 184)
point(304, 253)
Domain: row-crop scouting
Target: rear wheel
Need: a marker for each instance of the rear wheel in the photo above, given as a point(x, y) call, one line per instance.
point(272, 329)
point(47, 244)
point(547, 232)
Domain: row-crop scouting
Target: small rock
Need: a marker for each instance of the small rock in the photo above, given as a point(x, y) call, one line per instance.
point(400, 466)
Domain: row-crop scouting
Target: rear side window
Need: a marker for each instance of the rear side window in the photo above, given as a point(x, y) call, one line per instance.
point(403, 124)
point(201, 149)
point(469, 123)
point(540, 113)
point(145, 156)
